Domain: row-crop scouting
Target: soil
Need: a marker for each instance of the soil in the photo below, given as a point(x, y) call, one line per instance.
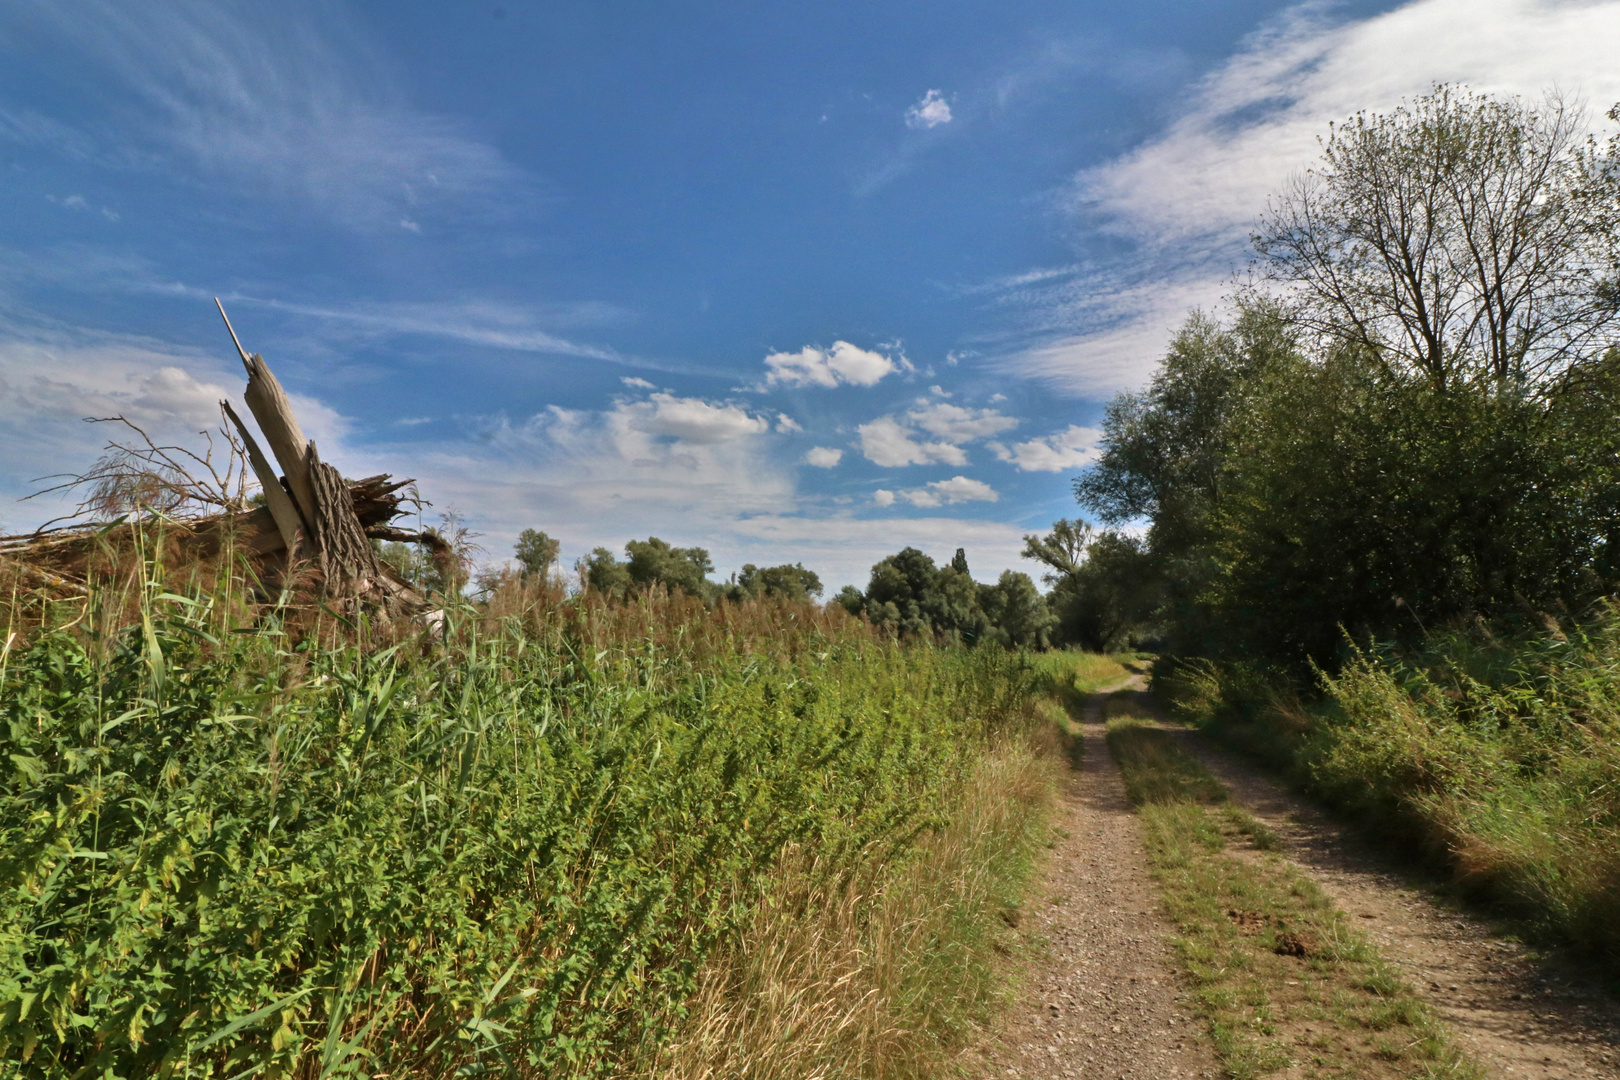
point(1509, 1010)
point(1103, 998)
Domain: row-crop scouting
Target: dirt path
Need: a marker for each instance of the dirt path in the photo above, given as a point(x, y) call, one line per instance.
point(1507, 1012)
point(1103, 1001)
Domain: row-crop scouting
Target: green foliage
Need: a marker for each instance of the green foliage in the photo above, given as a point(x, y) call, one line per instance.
point(785, 582)
point(601, 570)
point(1496, 755)
point(536, 552)
point(223, 853)
point(1380, 507)
point(649, 563)
point(911, 595)
point(407, 560)
point(1419, 430)
point(1106, 586)
point(1016, 613)
point(655, 562)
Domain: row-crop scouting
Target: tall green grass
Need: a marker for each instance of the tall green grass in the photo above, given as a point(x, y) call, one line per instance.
point(279, 850)
point(1500, 755)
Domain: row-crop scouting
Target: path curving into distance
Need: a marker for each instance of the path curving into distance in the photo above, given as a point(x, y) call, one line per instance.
point(1104, 998)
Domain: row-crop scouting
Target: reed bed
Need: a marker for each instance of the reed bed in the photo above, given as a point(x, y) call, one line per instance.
point(561, 837)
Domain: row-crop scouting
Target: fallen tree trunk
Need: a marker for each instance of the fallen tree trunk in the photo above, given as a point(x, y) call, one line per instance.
point(315, 527)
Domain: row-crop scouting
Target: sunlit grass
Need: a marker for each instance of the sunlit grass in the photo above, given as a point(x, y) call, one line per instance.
point(239, 840)
point(1282, 978)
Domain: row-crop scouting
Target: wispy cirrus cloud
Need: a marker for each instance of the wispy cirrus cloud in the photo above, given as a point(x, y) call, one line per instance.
point(1185, 201)
point(283, 99)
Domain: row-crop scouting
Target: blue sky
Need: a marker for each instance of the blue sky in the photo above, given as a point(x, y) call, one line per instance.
point(793, 283)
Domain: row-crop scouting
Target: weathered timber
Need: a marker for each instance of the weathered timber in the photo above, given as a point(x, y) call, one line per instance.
point(274, 413)
point(288, 521)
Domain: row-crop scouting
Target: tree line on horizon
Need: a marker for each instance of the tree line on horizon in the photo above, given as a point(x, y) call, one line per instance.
point(1407, 417)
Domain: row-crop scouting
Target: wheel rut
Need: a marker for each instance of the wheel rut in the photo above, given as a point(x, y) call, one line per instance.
point(1507, 1011)
point(1104, 999)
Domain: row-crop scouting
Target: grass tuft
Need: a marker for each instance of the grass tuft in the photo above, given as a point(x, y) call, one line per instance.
point(1276, 969)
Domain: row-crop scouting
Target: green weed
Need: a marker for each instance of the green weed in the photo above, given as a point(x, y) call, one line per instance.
point(1496, 755)
point(233, 850)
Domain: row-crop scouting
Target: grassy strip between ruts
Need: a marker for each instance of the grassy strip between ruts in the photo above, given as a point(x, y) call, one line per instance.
point(1276, 968)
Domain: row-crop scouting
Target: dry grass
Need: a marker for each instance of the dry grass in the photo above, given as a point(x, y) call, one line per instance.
point(883, 979)
point(1287, 985)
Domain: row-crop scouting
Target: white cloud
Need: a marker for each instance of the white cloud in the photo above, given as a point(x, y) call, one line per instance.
point(947, 492)
point(823, 457)
point(409, 226)
point(1188, 198)
point(842, 364)
point(786, 424)
point(883, 497)
point(931, 111)
point(690, 471)
point(690, 420)
point(1071, 448)
point(891, 443)
point(956, 424)
point(636, 384)
point(887, 442)
point(51, 378)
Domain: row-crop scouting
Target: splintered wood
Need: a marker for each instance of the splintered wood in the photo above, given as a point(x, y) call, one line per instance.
point(314, 531)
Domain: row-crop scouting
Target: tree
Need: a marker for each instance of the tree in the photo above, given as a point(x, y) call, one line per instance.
point(1456, 239)
point(850, 599)
point(1062, 550)
point(1106, 586)
point(655, 562)
point(1359, 506)
point(602, 571)
point(910, 593)
point(536, 552)
point(1163, 450)
point(1016, 612)
point(785, 582)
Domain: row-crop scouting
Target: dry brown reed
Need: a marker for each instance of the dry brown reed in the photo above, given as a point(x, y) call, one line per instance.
point(878, 979)
point(659, 620)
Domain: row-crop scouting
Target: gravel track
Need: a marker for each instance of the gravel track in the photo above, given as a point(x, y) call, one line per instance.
point(1509, 1012)
point(1103, 998)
